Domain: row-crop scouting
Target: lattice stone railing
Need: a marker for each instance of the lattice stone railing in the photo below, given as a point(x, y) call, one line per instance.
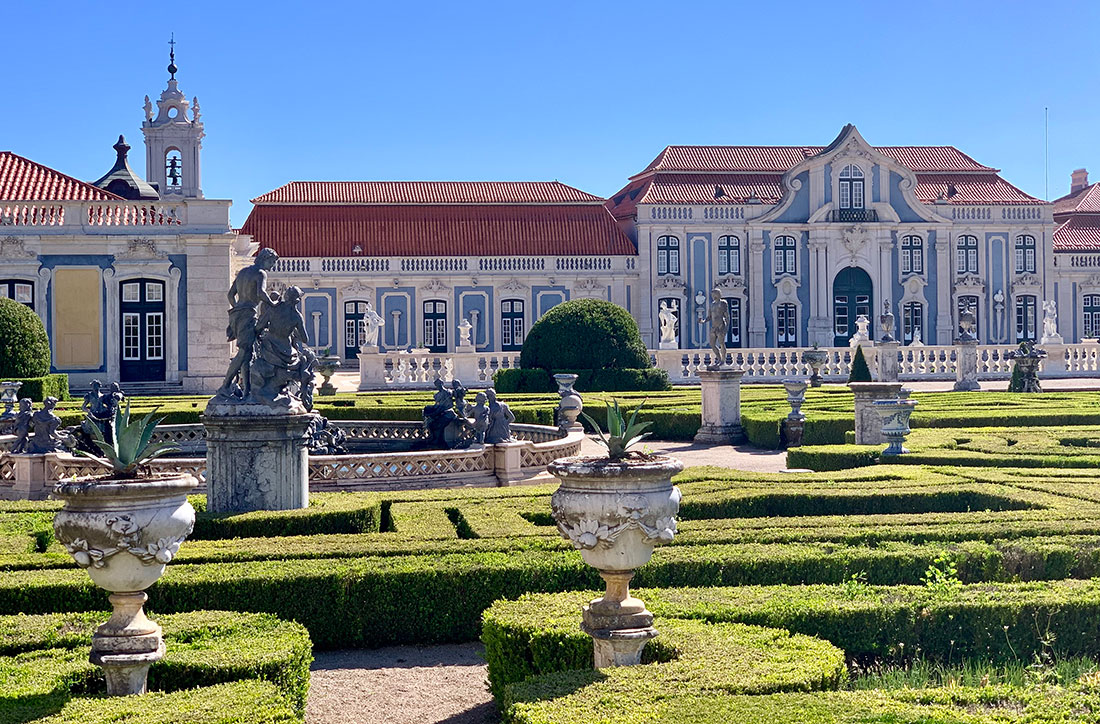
point(537, 446)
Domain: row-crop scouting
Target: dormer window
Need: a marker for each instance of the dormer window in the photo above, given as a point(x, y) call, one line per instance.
point(851, 187)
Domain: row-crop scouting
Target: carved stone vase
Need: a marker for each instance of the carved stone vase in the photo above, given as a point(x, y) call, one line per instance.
point(9, 395)
point(895, 422)
point(815, 358)
point(569, 409)
point(796, 395)
point(124, 534)
point(327, 366)
point(614, 513)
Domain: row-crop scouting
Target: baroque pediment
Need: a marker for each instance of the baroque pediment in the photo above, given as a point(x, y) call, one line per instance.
point(670, 282)
point(12, 247)
point(970, 282)
point(141, 249)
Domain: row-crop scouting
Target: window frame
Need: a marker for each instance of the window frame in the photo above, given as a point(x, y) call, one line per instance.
point(786, 320)
point(911, 311)
point(512, 324)
point(966, 254)
point(785, 255)
point(729, 254)
point(851, 192)
point(1090, 308)
point(912, 254)
point(1027, 318)
point(668, 255)
point(1025, 254)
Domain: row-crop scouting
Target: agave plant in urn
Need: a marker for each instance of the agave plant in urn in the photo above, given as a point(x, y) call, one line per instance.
point(123, 528)
point(614, 510)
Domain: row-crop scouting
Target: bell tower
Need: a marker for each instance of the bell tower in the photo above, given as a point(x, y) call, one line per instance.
point(173, 140)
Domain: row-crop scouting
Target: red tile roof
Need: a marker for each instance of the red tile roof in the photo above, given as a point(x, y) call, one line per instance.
point(986, 188)
point(734, 188)
point(764, 159)
point(437, 230)
point(1080, 233)
point(426, 192)
point(24, 180)
point(1085, 201)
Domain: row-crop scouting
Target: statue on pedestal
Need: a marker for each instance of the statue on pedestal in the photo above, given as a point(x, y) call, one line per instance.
point(500, 420)
point(1050, 323)
point(667, 317)
point(22, 426)
point(274, 366)
point(372, 323)
point(45, 423)
point(718, 314)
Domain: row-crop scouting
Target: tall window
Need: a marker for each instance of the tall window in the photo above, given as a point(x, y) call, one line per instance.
point(1025, 318)
point(733, 334)
point(912, 321)
point(912, 255)
point(1091, 306)
point(511, 324)
point(966, 261)
point(729, 255)
point(435, 326)
point(19, 290)
point(851, 187)
point(786, 325)
point(1025, 253)
point(965, 302)
point(784, 255)
point(668, 255)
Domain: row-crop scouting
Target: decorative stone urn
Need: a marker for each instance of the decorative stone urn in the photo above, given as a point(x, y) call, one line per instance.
point(815, 358)
point(327, 366)
point(9, 395)
point(796, 395)
point(614, 513)
point(1027, 358)
point(895, 421)
point(886, 319)
point(569, 409)
point(124, 534)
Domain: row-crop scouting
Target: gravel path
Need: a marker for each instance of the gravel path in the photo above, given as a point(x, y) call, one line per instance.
point(400, 685)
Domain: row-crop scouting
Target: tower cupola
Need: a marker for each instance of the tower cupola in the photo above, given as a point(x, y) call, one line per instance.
point(173, 140)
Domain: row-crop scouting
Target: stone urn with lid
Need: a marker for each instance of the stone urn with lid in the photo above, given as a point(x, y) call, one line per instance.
point(569, 409)
point(615, 512)
point(123, 534)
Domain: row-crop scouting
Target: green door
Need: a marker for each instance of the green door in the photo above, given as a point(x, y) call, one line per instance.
point(851, 298)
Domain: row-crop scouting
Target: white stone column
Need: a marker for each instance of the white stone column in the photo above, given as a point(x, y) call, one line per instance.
point(945, 315)
point(820, 327)
point(966, 366)
point(721, 407)
point(757, 327)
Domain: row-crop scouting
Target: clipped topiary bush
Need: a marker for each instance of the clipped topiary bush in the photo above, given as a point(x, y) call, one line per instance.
point(860, 371)
point(585, 334)
point(26, 348)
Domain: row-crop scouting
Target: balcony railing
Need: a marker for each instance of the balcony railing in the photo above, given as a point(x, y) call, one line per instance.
point(853, 215)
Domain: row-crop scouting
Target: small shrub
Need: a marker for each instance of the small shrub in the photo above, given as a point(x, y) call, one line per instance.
point(25, 351)
point(860, 371)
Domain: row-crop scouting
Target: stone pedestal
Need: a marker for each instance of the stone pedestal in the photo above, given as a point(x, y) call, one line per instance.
point(30, 481)
point(256, 462)
point(721, 407)
point(507, 461)
point(790, 432)
point(619, 624)
point(966, 366)
point(868, 423)
point(1054, 365)
point(888, 366)
point(127, 645)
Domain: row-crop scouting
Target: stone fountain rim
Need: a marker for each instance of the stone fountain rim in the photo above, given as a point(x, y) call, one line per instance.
point(588, 467)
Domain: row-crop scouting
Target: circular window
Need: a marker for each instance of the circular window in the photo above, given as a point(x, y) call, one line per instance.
point(173, 112)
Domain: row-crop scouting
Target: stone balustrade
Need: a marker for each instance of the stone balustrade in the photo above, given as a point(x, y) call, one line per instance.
point(33, 476)
point(385, 370)
point(78, 215)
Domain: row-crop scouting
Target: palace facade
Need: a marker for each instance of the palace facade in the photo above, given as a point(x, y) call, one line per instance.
point(801, 240)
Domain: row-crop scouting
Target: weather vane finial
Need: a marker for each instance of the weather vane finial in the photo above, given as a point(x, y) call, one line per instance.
point(172, 56)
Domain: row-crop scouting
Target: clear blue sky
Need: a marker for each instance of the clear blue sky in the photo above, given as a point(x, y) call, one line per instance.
point(583, 92)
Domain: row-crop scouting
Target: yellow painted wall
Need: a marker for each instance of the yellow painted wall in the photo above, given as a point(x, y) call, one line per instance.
point(77, 318)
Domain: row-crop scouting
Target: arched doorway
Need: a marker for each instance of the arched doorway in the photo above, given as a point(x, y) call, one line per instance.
point(851, 298)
